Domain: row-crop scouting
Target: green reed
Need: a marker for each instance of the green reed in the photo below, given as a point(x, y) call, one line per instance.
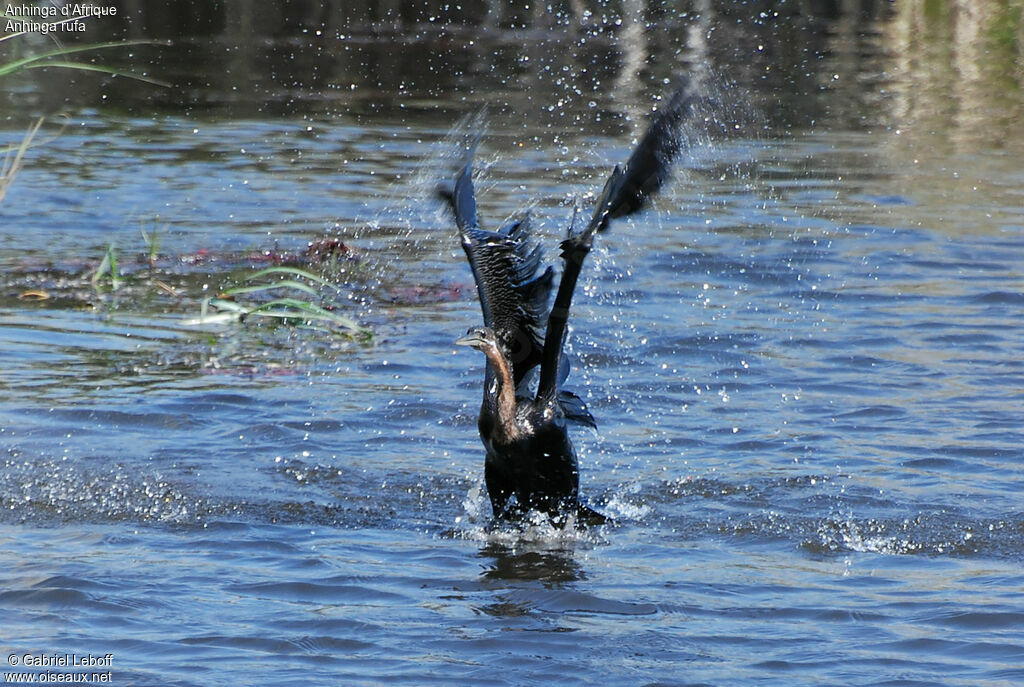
point(242, 303)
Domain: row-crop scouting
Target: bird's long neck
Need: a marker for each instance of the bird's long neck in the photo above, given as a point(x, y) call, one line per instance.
point(506, 392)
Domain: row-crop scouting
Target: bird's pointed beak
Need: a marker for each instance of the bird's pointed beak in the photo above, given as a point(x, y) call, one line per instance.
point(470, 339)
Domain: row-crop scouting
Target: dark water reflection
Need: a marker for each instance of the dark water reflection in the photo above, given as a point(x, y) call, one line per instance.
point(506, 562)
point(805, 362)
point(801, 64)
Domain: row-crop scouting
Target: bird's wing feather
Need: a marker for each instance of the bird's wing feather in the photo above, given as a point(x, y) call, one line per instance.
point(575, 409)
point(626, 191)
point(514, 291)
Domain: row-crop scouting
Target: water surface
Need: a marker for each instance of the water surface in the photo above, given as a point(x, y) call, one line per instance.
point(805, 364)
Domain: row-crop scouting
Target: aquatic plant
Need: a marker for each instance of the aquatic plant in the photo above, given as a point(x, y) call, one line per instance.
point(152, 245)
point(12, 158)
point(53, 58)
point(107, 269)
point(288, 309)
point(50, 59)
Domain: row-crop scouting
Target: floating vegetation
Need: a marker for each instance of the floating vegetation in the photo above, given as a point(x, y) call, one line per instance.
point(286, 292)
point(230, 306)
point(107, 270)
point(34, 295)
point(152, 245)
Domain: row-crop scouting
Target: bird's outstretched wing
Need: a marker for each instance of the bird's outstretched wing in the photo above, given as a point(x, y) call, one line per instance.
point(626, 191)
point(514, 292)
point(629, 187)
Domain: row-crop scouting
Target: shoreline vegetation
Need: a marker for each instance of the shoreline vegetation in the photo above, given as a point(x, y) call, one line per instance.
point(305, 302)
point(13, 155)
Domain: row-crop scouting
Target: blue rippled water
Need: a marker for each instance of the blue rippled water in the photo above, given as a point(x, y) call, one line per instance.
point(805, 363)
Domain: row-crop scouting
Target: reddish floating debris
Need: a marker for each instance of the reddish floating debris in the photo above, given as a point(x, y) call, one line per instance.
point(316, 253)
point(328, 249)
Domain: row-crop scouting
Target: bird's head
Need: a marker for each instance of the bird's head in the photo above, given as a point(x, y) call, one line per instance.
point(480, 338)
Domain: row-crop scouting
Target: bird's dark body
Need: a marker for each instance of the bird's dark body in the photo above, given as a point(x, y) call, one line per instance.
point(531, 463)
point(538, 468)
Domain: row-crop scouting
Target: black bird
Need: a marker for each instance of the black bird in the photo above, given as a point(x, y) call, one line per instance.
point(531, 463)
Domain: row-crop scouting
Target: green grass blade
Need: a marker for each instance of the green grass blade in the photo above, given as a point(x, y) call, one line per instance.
point(103, 269)
point(64, 52)
point(115, 281)
point(301, 313)
point(96, 68)
point(287, 283)
point(107, 268)
point(295, 271)
point(10, 165)
point(303, 309)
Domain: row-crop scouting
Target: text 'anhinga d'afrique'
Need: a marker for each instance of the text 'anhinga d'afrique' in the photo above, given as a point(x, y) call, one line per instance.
point(531, 463)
